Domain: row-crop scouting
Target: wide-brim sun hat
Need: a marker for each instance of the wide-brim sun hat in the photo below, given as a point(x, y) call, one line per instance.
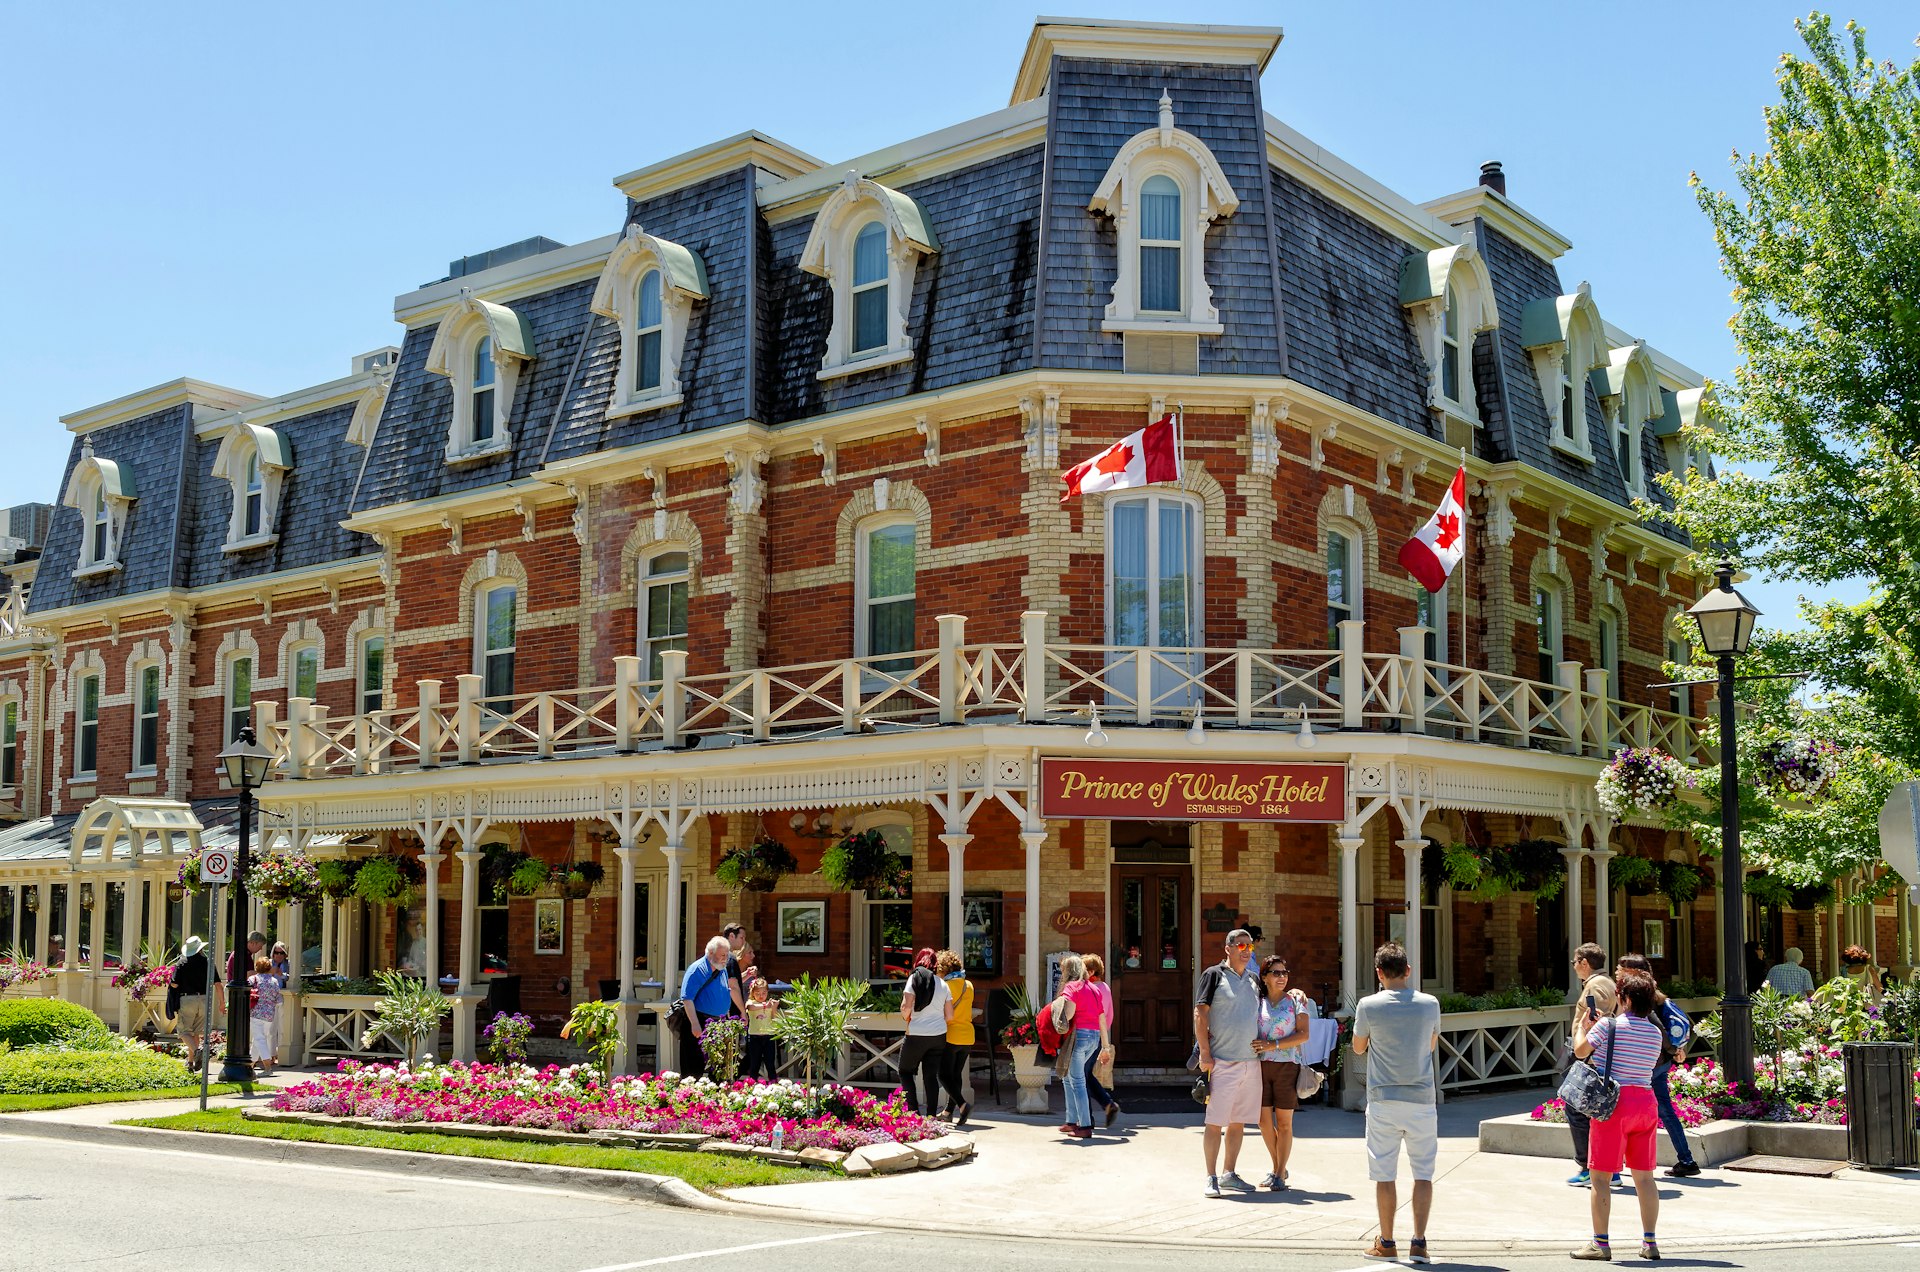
point(191, 946)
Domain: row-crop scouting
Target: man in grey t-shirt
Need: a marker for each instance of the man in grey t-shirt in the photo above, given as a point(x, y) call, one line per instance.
point(1398, 1030)
point(1225, 1015)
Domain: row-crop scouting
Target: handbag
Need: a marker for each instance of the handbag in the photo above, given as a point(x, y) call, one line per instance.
point(1591, 1091)
point(1307, 1084)
point(1202, 1089)
point(1103, 1069)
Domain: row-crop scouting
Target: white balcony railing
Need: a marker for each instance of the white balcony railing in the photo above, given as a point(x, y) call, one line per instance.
point(1034, 682)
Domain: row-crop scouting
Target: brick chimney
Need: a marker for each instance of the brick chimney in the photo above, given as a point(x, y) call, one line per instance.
point(1492, 177)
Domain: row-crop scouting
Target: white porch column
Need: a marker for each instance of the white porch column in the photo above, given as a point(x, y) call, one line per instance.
point(431, 859)
point(43, 922)
point(675, 851)
point(129, 940)
point(157, 910)
point(292, 1022)
point(1350, 846)
point(470, 920)
point(1603, 905)
point(1573, 898)
point(1032, 840)
point(1412, 849)
point(956, 842)
point(629, 1008)
point(96, 923)
point(71, 937)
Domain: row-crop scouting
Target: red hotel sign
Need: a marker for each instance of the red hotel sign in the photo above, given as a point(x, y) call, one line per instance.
point(1154, 790)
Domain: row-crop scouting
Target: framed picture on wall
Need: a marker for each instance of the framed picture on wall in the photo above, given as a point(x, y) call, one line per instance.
point(801, 927)
point(549, 925)
point(1653, 938)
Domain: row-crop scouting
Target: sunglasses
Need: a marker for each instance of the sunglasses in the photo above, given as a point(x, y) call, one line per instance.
point(1243, 945)
point(1278, 971)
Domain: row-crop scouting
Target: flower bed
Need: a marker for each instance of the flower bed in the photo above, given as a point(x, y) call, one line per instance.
point(574, 1099)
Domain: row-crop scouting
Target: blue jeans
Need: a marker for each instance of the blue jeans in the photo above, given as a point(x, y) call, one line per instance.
point(1670, 1119)
point(1086, 1044)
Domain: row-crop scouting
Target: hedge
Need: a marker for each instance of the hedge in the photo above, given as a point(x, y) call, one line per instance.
point(121, 1069)
point(29, 1022)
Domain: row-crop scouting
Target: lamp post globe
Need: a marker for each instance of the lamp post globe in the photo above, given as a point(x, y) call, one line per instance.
point(1725, 621)
point(245, 764)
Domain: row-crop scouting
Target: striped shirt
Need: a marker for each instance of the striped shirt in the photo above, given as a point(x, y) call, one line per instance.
point(1635, 1043)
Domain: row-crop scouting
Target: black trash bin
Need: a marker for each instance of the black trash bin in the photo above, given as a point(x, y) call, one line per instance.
point(1880, 1115)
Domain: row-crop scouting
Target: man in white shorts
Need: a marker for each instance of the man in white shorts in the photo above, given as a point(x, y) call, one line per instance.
point(1225, 1019)
point(1397, 1030)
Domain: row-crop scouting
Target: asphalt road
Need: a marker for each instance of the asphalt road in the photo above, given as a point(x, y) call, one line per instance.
point(70, 1205)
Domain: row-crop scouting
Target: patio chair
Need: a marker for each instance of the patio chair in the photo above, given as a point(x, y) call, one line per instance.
point(999, 1010)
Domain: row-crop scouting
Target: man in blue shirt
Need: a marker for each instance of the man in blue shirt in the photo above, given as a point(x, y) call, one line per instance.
point(704, 994)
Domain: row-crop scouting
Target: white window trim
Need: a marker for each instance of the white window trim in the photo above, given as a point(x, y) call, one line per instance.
point(290, 666)
point(1629, 389)
point(240, 444)
point(361, 689)
point(451, 355)
point(480, 650)
point(16, 702)
point(1425, 278)
point(829, 254)
point(135, 677)
point(683, 280)
point(1196, 563)
point(862, 579)
point(860, 935)
point(1562, 334)
point(228, 730)
point(99, 679)
point(1556, 625)
point(113, 483)
point(1205, 196)
point(1441, 604)
point(645, 582)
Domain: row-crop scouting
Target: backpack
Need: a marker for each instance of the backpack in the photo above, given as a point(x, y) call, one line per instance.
point(1675, 1025)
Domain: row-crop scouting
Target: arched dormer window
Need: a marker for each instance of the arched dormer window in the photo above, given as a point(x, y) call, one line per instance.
point(1448, 297)
point(1566, 339)
point(649, 286)
point(867, 241)
point(102, 492)
point(1684, 410)
point(482, 347)
point(1629, 392)
point(1162, 190)
point(254, 461)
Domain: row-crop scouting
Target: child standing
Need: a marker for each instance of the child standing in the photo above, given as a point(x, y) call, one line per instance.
point(761, 1011)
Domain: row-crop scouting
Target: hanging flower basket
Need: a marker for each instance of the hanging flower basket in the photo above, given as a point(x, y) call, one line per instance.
point(389, 879)
point(1642, 781)
point(497, 865)
point(577, 879)
point(861, 861)
point(528, 877)
point(284, 879)
point(336, 877)
point(1679, 882)
point(1636, 875)
point(1798, 766)
point(1488, 873)
point(758, 867)
point(188, 878)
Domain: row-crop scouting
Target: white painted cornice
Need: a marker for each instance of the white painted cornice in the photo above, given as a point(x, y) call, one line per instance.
point(775, 159)
point(270, 411)
point(528, 276)
point(1504, 215)
point(205, 398)
point(158, 600)
point(1354, 190)
point(1159, 42)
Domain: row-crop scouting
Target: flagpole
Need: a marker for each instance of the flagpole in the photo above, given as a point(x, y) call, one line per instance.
point(1180, 468)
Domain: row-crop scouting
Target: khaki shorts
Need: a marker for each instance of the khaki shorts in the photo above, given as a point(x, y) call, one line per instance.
point(1235, 1098)
point(192, 1018)
point(1391, 1123)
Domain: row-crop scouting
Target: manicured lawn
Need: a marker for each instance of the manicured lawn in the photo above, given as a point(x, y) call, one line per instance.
point(68, 1099)
point(702, 1170)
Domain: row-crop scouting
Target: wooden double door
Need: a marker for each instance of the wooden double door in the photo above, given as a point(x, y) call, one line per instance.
point(1151, 967)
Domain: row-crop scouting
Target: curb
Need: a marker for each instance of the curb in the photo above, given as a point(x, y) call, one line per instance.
point(632, 1185)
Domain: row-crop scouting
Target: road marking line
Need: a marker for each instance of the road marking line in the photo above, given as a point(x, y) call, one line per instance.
point(1374, 1267)
point(739, 1249)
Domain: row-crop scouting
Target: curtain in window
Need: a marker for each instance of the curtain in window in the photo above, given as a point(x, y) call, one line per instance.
point(1129, 549)
point(1176, 583)
point(870, 288)
point(890, 585)
point(1159, 240)
point(647, 323)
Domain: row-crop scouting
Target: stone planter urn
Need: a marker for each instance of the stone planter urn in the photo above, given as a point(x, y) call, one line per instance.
point(1032, 1078)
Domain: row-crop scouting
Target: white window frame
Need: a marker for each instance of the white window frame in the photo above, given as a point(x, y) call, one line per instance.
point(1154, 500)
point(10, 722)
point(1356, 581)
point(101, 490)
point(1549, 637)
point(1679, 697)
point(1609, 634)
point(369, 693)
point(683, 282)
point(1436, 619)
point(247, 451)
point(860, 938)
point(1449, 286)
point(863, 599)
point(137, 693)
point(293, 655)
point(1177, 245)
point(1566, 340)
point(481, 652)
point(647, 645)
point(829, 254)
point(235, 716)
point(452, 354)
point(87, 729)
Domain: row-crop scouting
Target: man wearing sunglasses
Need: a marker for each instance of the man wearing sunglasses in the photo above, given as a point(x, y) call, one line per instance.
point(1225, 1018)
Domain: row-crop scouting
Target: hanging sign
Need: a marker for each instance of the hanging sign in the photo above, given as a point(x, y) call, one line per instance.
point(1157, 790)
point(216, 865)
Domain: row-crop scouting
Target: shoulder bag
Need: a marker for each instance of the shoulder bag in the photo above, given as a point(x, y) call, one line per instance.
point(1592, 1091)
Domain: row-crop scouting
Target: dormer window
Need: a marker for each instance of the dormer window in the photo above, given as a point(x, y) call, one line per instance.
point(1162, 190)
point(867, 241)
point(1565, 338)
point(255, 462)
point(101, 491)
point(649, 286)
point(1448, 297)
point(1629, 390)
point(482, 348)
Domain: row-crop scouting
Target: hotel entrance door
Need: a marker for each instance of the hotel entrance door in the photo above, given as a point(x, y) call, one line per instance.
point(1152, 963)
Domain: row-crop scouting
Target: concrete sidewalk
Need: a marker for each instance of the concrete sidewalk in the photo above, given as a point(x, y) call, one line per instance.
point(1143, 1182)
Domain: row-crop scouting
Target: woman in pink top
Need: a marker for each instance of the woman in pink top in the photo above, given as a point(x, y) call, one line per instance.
point(1098, 1097)
point(1090, 1040)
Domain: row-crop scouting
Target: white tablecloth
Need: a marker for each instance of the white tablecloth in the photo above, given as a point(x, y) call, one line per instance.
point(1321, 1036)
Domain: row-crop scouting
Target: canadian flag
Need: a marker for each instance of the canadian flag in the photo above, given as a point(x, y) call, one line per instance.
point(1438, 546)
point(1138, 459)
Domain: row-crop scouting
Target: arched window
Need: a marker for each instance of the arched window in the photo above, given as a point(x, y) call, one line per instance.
point(1343, 583)
point(884, 597)
point(254, 461)
point(97, 525)
point(1448, 297)
point(480, 383)
point(663, 608)
point(253, 497)
point(1606, 649)
point(870, 287)
point(239, 694)
point(648, 329)
point(1450, 377)
point(1153, 571)
point(1572, 392)
point(1160, 245)
point(1546, 628)
point(9, 742)
point(496, 618)
point(306, 673)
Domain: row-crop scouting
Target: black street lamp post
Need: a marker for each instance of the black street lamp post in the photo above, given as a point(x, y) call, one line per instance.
point(246, 763)
point(1725, 619)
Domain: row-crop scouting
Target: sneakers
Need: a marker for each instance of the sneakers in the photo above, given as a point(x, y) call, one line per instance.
point(1594, 1253)
point(1213, 1185)
point(1230, 1180)
point(1650, 1250)
point(1417, 1251)
point(1683, 1170)
point(1579, 1179)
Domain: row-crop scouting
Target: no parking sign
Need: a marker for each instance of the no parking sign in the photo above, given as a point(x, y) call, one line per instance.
point(216, 865)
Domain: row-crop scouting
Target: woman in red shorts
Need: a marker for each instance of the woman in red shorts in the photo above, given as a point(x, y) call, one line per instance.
point(1627, 1046)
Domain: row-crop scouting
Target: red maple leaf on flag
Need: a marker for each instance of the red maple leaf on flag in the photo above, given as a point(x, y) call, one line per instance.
point(1449, 527)
point(1114, 461)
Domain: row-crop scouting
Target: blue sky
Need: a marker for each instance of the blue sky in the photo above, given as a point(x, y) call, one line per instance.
point(237, 192)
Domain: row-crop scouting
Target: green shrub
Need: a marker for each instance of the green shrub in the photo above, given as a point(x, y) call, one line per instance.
point(29, 1022)
point(120, 1068)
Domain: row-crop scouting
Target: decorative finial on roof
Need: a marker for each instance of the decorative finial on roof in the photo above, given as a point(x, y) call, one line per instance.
point(1166, 109)
point(851, 181)
point(86, 449)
